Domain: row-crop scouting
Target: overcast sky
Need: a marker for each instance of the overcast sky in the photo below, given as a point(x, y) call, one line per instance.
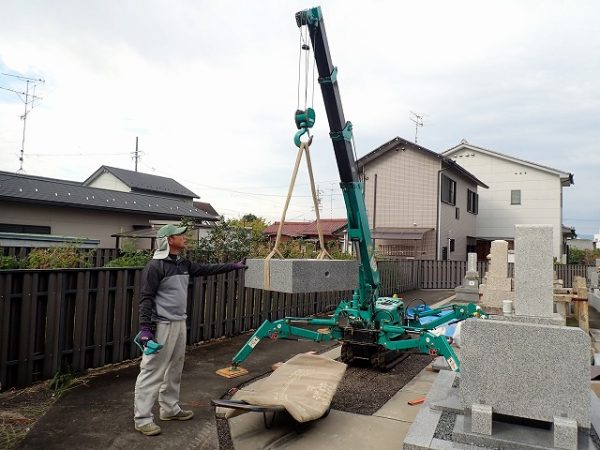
point(210, 88)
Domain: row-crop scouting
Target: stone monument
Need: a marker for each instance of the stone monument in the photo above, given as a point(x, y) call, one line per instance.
point(534, 276)
point(515, 374)
point(469, 291)
point(497, 286)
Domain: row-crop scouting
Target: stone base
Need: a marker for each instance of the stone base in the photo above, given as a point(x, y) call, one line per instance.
point(443, 397)
point(303, 275)
point(513, 436)
point(556, 319)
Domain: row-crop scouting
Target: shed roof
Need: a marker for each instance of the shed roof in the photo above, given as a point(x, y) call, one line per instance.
point(395, 233)
point(297, 229)
point(139, 181)
point(41, 190)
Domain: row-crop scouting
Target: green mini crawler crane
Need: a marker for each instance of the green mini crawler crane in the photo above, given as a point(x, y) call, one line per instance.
point(369, 327)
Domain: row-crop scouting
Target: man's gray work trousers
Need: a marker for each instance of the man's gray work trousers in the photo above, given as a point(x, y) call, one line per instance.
point(160, 374)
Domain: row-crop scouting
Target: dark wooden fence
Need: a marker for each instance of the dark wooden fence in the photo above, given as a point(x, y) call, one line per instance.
point(75, 319)
point(450, 274)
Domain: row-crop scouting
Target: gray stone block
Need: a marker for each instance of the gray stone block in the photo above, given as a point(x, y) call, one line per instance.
point(592, 275)
point(467, 293)
point(303, 275)
point(481, 419)
point(565, 433)
point(526, 370)
point(420, 434)
point(533, 270)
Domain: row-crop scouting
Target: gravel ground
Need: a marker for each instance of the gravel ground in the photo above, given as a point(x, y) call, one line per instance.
point(445, 426)
point(364, 390)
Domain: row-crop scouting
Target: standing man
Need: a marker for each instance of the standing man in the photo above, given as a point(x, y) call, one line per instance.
point(163, 316)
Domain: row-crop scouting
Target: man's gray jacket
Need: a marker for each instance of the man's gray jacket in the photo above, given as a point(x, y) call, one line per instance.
point(165, 287)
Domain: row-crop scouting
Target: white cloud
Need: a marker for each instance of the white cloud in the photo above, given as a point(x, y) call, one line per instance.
point(210, 89)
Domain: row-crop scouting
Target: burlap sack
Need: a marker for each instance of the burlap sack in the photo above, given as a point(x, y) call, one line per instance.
point(304, 386)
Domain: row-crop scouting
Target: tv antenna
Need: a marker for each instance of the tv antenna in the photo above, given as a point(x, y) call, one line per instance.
point(418, 120)
point(29, 102)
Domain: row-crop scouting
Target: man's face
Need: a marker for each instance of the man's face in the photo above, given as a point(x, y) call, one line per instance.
point(177, 243)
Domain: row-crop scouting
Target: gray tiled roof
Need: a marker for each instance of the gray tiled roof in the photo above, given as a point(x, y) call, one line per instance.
point(34, 189)
point(398, 142)
point(139, 181)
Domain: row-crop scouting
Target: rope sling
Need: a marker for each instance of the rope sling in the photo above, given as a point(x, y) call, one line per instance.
point(303, 149)
point(304, 121)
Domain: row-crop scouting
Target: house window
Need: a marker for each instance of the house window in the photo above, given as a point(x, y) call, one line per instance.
point(448, 190)
point(457, 213)
point(30, 229)
point(444, 253)
point(451, 244)
point(472, 202)
point(515, 197)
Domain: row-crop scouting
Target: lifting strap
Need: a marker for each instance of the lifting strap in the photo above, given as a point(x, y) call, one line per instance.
point(303, 148)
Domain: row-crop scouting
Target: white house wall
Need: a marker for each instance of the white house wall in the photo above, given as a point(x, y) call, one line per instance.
point(107, 180)
point(540, 196)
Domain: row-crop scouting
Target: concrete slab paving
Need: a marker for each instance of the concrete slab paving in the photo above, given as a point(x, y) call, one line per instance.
point(341, 430)
point(397, 407)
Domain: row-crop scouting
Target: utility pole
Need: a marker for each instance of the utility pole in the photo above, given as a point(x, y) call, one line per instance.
point(331, 203)
point(136, 155)
point(418, 120)
point(33, 82)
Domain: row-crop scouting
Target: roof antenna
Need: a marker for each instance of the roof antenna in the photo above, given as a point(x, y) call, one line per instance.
point(418, 120)
point(29, 102)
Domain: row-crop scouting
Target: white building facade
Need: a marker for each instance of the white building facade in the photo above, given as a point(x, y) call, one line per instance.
point(520, 192)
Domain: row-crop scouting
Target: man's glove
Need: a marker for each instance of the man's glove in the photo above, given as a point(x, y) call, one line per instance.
point(240, 264)
point(146, 335)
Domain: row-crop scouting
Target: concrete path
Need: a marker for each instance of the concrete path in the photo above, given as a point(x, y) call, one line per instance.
point(99, 414)
point(384, 430)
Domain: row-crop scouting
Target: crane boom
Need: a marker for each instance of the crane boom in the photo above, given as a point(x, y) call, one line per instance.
point(341, 138)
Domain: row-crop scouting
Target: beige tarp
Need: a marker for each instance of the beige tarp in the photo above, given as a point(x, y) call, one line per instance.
point(304, 386)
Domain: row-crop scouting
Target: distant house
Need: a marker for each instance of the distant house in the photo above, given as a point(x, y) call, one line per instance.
point(420, 204)
point(520, 192)
point(110, 202)
point(334, 230)
point(581, 244)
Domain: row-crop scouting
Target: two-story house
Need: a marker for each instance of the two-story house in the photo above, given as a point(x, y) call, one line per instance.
point(420, 204)
point(520, 192)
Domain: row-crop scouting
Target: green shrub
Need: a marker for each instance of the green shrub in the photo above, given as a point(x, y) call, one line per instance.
point(64, 257)
point(131, 257)
point(578, 256)
point(8, 262)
